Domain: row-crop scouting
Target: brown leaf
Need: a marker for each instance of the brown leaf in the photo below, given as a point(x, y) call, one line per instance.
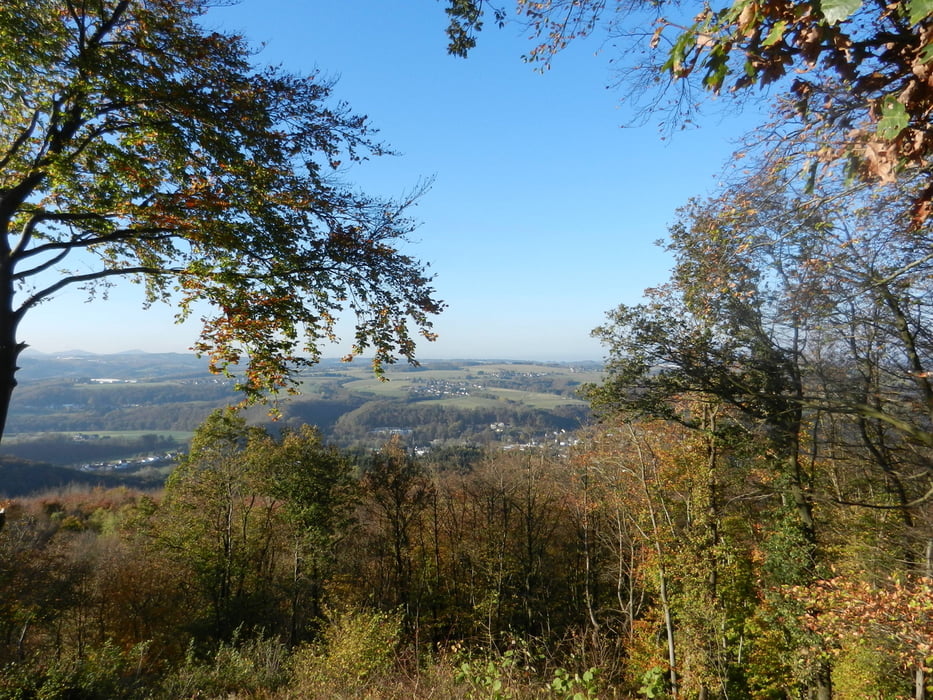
point(747, 19)
point(880, 160)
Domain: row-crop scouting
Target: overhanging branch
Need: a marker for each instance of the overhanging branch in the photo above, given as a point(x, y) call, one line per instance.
point(41, 268)
point(151, 234)
point(91, 277)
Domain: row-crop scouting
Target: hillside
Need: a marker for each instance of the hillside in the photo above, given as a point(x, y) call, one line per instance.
point(22, 478)
point(133, 411)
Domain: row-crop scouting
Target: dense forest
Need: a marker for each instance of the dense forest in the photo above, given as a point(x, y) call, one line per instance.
point(741, 508)
point(748, 516)
point(676, 557)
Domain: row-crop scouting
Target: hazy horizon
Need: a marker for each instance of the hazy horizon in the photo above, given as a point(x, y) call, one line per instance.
point(76, 351)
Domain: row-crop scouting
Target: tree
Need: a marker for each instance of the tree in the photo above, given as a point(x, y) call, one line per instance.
point(136, 144)
point(856, 75)
point(217, 523)
point(315, 485)
point(802, 314)
point(675, 521)
point(256, 519)
point(890, 623)
point(396, 493)
point(788, 299)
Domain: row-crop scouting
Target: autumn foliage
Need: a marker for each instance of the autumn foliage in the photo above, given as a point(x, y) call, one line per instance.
point(135, 144)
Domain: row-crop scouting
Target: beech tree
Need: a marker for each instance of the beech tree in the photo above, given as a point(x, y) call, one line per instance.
point(135, 143)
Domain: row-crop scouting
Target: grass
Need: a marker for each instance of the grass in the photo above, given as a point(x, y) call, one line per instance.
point(534, 399)
point(388, 390)
point(359, 380)
point(180, 436)
point(465, 402)
point(525, 398)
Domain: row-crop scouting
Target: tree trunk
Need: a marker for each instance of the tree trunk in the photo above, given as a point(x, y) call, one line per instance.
point(9, 320)
point(669, 629)
point(9, 356)
point(673, 673)
point(824, 684)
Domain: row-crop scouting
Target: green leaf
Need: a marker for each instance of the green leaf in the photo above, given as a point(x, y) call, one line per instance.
point(678, 53)
point(894, 118)
point(839, 10)
point(776, 33)
point(919, 9)
point(717, 69)
point(926, 53)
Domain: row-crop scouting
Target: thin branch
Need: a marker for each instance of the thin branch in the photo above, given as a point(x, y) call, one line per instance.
point(37, 218)
point(42, 294)
point(20, 140)
point(40, 268)
point(878, 506)
point(917, 433)
point(149, 234)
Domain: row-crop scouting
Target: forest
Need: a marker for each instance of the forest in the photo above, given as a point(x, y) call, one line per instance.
point(739, 506)
point(713, 535)
point(748, 514)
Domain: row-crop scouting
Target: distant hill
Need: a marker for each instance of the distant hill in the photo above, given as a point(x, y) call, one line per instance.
point(20, 478)
point(128, 365)
point(82, 410)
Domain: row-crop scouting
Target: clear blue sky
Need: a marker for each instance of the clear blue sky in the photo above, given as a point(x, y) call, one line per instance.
point(543, 211)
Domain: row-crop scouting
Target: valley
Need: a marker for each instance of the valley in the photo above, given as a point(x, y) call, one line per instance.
point(127, 416)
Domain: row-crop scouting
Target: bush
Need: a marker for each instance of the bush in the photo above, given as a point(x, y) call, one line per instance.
point(102, 673)
point(356, 648)
point(865, 671)
point(249, 668)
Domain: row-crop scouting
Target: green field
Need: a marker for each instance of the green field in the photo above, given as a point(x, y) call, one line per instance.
point(466, 402)
point(383, 389)
point(180, 436)
point(535, 399)
point(442, 386)
point(441, 400)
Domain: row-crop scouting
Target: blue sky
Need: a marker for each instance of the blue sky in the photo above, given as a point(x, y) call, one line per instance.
point(543, 211)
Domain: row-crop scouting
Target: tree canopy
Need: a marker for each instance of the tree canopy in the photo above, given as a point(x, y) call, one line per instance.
point(135, 143)
point(856, 76)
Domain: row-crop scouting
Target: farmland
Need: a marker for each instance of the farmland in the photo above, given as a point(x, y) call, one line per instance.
point(76, 409)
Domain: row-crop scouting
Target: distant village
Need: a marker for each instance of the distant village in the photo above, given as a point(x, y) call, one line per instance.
point(132, 464)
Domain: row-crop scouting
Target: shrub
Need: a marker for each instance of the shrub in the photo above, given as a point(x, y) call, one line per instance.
point(102, 673)
point(241, 668)
point(356, 648)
